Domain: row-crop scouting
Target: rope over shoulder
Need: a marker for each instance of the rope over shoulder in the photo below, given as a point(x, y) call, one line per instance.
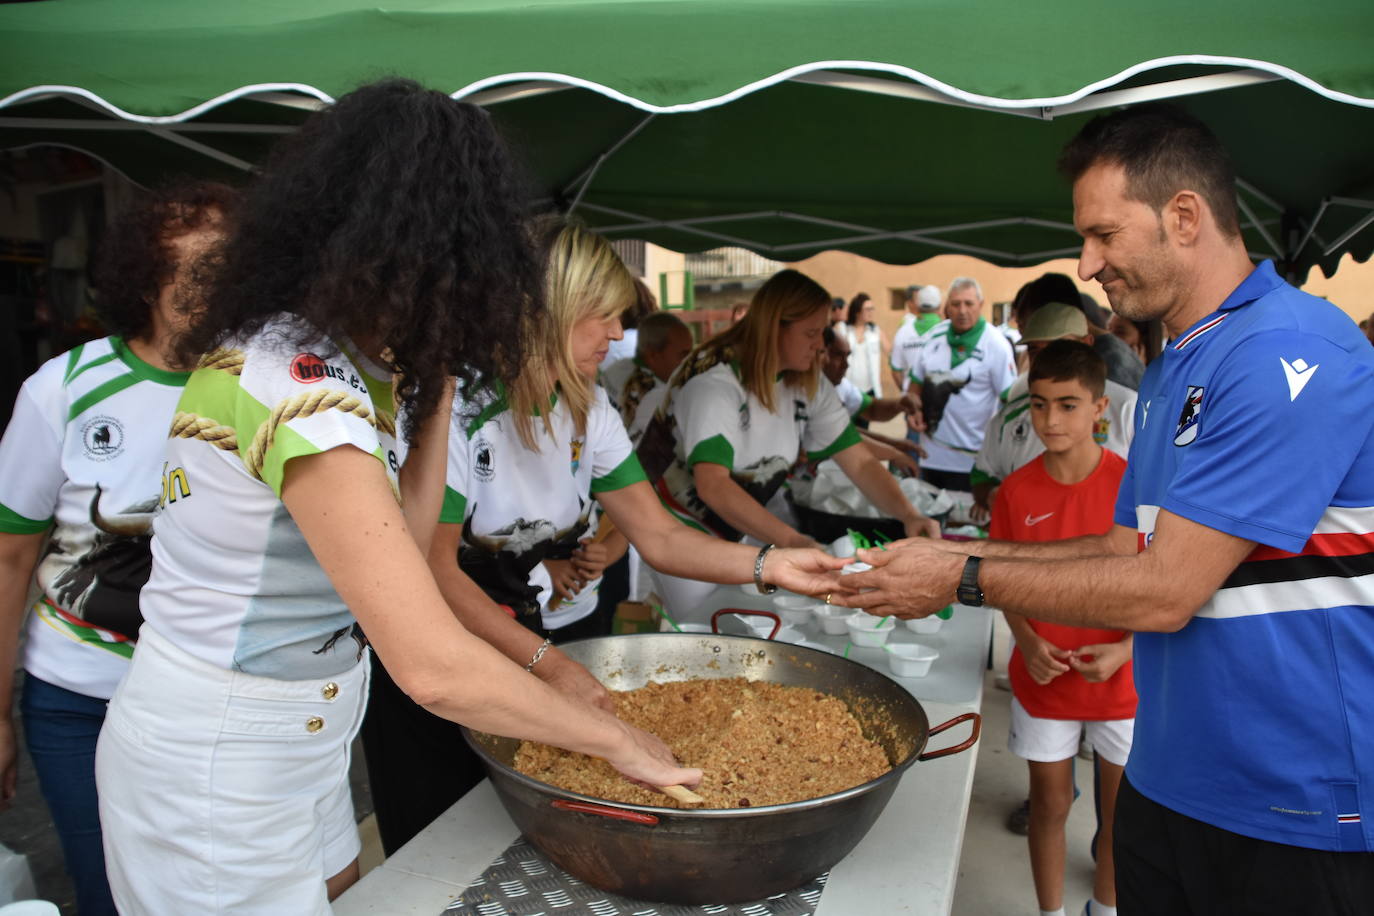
point(230, 361)
point(298, 407)
point(190, 426)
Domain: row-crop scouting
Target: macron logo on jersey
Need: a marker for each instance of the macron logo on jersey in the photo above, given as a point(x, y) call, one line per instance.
point(1298, 374)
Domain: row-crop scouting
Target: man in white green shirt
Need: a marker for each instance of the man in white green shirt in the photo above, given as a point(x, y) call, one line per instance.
point(967, 364)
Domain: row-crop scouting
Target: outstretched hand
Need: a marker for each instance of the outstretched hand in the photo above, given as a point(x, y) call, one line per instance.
point(911, 578)
point(807, 571)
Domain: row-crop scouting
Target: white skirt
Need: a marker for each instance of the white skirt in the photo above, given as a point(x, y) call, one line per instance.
point(223, 792)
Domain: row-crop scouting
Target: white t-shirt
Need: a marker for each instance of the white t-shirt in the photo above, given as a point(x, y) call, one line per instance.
point(906, 344)
point(518, 506)
point(715, 420)
point(84, 452)
point(987, 371)
point(865, 359)
point(851, 397)
point(1010, 441)
point(234, 582)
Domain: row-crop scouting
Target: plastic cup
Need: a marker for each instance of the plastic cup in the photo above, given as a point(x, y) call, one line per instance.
point(910, 659)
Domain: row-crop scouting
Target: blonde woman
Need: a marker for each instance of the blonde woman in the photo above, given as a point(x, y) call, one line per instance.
point(740, 410)
point(525, 467)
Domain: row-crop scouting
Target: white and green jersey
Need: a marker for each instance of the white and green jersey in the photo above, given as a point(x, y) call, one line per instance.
point(519, 506)
point(715, 420)
point(973, 370)
point(83, 454)
point(234, 582)
point(1010, 442)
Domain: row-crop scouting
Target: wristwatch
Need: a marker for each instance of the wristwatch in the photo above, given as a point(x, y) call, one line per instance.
point(968, 591)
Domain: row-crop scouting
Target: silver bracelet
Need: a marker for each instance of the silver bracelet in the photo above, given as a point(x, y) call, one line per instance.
point(538, 654)
point(758, 572)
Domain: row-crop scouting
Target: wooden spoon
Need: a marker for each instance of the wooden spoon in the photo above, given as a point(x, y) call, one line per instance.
point(682, 794)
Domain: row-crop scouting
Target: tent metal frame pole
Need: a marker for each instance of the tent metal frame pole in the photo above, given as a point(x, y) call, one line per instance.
point(589, 173)
point(1259, 227)
point(868, 233)
point(1312, 229)
point(644, 222)
point(1255, 192)
point(219, 156)
point(1350, 233)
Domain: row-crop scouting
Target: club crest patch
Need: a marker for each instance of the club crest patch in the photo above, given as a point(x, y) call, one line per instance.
point(482, 464)
point(576, 454)
point(1189, 416)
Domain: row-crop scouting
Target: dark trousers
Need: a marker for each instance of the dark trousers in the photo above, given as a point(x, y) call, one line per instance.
point(418, 764)
point(947, 480)
point(60, 730)
point(1169, 863)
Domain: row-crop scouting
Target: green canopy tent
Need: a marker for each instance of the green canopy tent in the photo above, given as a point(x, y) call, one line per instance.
point(896, 129)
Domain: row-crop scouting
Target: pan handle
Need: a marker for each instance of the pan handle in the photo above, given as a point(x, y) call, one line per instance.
point(945, 752)
point(637, 817)
point(777, 621)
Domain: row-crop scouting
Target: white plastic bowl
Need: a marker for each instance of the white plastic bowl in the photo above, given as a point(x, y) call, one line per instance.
point(868, 631)
point(794, 610)
point(789, 635)
point(855, 567)
point(910, 659)
point(833, 619)
point(925, 625)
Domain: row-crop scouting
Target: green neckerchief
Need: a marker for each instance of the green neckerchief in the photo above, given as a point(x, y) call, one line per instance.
point(961, 345)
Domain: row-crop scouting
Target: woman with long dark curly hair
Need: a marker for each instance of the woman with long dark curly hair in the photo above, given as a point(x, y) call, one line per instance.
point(81, 458)
point(380, 251)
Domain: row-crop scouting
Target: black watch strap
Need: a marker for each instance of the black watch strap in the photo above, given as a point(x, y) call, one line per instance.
point(968, 592)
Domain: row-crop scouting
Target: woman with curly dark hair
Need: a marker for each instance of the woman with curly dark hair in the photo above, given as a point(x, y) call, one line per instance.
point(868, 348)
point(381, 251)
point(81, 458)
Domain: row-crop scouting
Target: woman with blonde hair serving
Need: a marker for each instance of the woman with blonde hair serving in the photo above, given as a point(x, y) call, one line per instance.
point(525, 466)
point(739, 412)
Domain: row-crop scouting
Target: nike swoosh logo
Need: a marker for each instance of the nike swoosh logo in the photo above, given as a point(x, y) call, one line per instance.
point(1036, 519)
point(1298, 374)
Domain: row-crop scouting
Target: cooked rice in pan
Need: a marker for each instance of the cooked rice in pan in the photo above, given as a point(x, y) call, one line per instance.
point(757, 743)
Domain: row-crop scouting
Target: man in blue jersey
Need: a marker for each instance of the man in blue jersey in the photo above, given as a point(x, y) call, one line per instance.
point(1243, 549)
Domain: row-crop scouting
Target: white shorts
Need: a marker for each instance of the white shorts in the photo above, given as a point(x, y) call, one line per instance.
point(223, 792)
point(1048, 740)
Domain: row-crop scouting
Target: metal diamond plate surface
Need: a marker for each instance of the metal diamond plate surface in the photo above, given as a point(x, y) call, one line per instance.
point(521, 882)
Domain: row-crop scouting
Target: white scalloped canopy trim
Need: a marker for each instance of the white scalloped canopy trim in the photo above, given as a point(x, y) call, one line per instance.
point(953, 93)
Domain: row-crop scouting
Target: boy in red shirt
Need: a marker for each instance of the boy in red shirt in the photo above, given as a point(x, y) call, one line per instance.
point(1064, 679)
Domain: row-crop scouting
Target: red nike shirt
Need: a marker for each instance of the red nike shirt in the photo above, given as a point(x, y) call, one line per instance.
point(1033, 506)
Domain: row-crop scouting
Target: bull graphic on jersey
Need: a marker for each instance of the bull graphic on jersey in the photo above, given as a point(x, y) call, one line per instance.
point(101, 587)
point(1190, 415)
point(500, 562)
point(939, 387)
point(760, 480)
